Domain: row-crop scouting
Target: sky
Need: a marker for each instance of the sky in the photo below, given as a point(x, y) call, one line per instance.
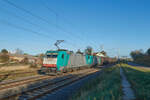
point(117, 26)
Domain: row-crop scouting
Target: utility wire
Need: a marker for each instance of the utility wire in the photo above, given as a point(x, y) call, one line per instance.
point(57, 14)
point(26, 29)
point(36, 16)
point(23, 28)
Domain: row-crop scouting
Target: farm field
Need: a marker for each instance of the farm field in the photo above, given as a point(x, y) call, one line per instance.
point(139, 77)
point(107, 86)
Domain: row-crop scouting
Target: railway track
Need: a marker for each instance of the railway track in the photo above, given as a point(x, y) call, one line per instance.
point(10, 84)
point(26, 80)
point(48, 86)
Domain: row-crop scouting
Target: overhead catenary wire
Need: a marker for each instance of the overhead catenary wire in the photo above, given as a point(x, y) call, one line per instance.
point(57, 14)
point(23, 28)
point(38, 17)
point(29, 22)
point(26, 29)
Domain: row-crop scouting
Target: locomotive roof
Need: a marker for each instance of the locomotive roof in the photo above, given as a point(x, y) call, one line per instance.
point(55, 51)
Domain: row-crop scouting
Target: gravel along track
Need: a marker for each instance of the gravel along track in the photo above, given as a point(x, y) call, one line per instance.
point(35, 94)
point(32, 92)
point(27, 80)
point(66, 92)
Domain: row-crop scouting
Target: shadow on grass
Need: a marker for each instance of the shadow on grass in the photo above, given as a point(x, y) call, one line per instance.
point(107, 86)
point(137, 65)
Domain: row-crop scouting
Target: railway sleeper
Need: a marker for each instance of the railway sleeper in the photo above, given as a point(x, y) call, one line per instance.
point(53, 87)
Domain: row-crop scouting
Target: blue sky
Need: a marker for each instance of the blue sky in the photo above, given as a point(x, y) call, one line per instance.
point(115, 24)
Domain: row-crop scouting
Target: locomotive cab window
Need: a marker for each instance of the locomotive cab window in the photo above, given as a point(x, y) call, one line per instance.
point(51, 56)
point(62, 56)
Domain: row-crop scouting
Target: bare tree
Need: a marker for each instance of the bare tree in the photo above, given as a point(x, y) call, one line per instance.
point(104, 53)
point(141, 57)
point(79, 51)
point(89, 50)
point(25, 60)
point(18, 51)
point(40, 57)
point(136, 54)
point(148, 52)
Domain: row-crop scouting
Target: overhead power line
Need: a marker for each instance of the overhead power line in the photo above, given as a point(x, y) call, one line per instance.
point(23, 28)
point(30, 30)
point(38, 17)
point(64, 18)
point(44, 20)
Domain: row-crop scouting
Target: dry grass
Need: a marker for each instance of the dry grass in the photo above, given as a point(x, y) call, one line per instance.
point(142, 69)
point(12, 68)
point(11, 72)
point(16, 68)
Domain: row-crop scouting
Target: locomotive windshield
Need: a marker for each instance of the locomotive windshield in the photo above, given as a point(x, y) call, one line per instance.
point(51, 56)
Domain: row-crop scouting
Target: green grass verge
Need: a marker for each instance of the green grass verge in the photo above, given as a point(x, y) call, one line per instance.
point(139, 77)
point(107, 86)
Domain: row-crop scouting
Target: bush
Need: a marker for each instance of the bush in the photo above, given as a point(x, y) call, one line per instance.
point(4, 58)
point(140, 57)
point(33, 65)
point(4, 51)
point(25, 60)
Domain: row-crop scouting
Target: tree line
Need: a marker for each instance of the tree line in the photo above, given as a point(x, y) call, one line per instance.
point(141, 57)
point(5, 55)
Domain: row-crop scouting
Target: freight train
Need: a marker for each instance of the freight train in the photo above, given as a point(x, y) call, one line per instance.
point(63, 61)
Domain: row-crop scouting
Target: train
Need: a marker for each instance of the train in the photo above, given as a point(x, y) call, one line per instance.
point(60, 61)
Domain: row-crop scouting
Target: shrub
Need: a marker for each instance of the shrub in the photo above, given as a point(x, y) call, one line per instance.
point(4, 51)
point(33, 65)
point(4, 58)
point(25, 60)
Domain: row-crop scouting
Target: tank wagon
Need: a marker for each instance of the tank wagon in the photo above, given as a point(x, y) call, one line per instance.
point(63, 61)
point(108, 60)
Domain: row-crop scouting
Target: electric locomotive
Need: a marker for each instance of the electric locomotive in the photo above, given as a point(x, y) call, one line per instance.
point(62, 61)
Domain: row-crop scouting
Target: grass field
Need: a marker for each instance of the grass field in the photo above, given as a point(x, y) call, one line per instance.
point(107, 86)
point(139, 77)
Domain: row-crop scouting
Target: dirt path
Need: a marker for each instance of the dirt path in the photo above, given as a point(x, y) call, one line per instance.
point(128, 92)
